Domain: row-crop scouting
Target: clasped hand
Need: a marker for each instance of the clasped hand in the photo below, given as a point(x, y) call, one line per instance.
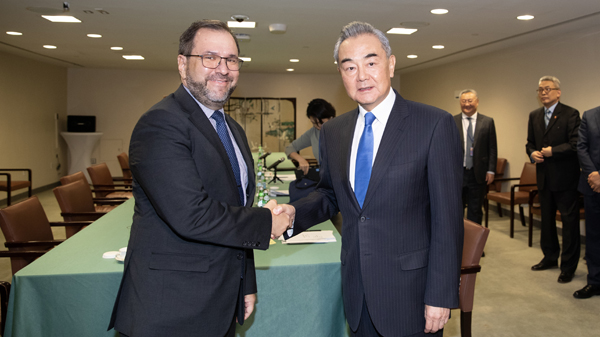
point(283, 218)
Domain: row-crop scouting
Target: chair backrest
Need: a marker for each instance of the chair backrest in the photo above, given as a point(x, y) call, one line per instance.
point(528, 176)
point(124, 162)
point(75, 198)
point(73, 177)
point(475, 239)
point(500, 169)
point(100, 175)
point(25, 221)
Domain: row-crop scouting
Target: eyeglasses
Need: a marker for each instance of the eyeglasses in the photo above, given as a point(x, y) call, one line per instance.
point(213, 61)
point(545, 90)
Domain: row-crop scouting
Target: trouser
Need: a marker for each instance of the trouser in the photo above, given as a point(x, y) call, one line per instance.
point(592, 237)
point(567, 202)
point(472, 196)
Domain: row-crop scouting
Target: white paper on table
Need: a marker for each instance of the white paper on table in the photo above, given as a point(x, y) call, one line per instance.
point(311, 237)
point(287, 176)
point(282, 193)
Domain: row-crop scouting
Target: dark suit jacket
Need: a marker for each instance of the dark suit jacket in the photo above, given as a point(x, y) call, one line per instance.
point(561, 171)
point(406, 241)
point(485, 148)
point(588, 148)
point(189, 252)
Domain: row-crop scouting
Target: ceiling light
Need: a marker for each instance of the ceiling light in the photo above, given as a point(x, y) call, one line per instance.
point(242, 37)
point(294, 60)
point(49, 46)
point(438, 46)
point(94, 36)
point(133, 57)
point(525, 17)
point(439, 11)
point(277, 28)
point(411, 56)
point(116, 48)
point(290, 69)
point(246, 59)
point(61, 18)
point(14, 33)
point(403, 31)
point(243, 24)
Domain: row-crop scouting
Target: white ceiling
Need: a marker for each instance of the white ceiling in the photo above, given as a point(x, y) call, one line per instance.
point(152, 27)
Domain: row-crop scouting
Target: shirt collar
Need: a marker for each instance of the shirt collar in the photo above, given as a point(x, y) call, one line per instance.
point(208, 112)
point(383, 110)
point(551, 109)
point(474, 116)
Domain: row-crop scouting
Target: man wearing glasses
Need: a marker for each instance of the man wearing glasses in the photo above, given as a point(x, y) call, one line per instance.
point(189, 268)
point(552, 144)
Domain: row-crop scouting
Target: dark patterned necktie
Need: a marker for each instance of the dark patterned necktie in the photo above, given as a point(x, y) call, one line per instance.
point(228, 145)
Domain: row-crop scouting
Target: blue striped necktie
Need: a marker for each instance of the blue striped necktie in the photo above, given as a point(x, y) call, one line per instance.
point(228, 145)
point(364, 160)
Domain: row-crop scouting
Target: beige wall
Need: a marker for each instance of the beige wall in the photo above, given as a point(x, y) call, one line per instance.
point(119, 97)
point(506, 82)
point(31, 94)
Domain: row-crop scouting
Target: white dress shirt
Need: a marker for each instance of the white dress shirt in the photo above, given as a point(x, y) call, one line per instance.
point(382, 114)
point(465, 123)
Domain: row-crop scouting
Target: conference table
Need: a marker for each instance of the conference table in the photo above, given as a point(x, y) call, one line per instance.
point(70, 291)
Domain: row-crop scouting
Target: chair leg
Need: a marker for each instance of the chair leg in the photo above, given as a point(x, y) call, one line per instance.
point(499, 209)
point(487, 211)
point(512, 221)
point(8, 196)
point(530, 227)
point(465, 323)
point(522, 216)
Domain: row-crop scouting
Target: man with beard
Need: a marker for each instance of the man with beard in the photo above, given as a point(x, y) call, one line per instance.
point(189, 268)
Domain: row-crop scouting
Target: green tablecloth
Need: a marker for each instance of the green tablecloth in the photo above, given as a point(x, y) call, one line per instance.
point(70, 291)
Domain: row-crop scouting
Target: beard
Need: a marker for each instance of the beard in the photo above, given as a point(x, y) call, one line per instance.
point(204, 95)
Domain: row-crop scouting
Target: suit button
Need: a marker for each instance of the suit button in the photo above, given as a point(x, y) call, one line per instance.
point(257, 244)
point(363, 219)
point(240, 256)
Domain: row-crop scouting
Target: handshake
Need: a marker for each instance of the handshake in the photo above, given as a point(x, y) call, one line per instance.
point(283, 217)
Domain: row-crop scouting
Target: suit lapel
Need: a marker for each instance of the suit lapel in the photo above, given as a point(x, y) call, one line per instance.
point(554, 118)
point(201, 122)
point(459, 125)
point(392, 136)
point(478, 127)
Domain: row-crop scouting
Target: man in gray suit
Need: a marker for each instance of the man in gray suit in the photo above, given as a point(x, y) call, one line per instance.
point(393, 169)
point(189, 269)
point(588, 150)
point(478, 135)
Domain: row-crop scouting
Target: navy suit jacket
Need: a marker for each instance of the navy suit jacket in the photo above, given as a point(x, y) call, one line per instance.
point(403, 249)
point(561, 171)
point(189, 259)
point(485, 148)
point(588, 148)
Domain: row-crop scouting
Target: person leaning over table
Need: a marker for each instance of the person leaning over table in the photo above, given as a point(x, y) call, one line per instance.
point(319, 111)
point(189, 269)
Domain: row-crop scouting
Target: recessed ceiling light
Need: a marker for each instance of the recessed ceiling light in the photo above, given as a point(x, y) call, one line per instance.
point(14, 33)
point(243, 24)
point(294, 60)
point(49, 46)
point(133, 57)
point(246, 59)
point(438, 46)
point(525, 17)
point(116, 48)
point(61, 18)
point(290, 69)
point(411, 56)
point(242, 37)
point(94, 36)
point(439, 11)
point(403, 31)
